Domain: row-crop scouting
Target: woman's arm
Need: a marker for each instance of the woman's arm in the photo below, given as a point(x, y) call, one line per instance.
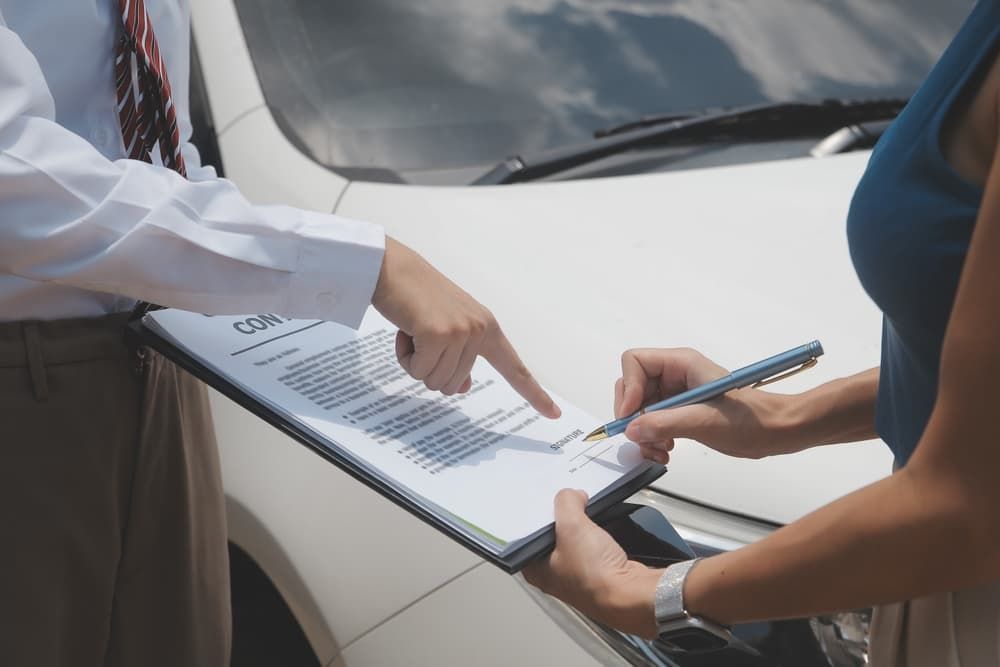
point(930, 527)
point(839, 411)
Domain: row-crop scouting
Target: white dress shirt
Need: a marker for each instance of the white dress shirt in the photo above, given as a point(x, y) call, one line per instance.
point(84, 231)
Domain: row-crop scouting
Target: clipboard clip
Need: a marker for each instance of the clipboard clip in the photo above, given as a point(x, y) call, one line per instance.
point(766, 381)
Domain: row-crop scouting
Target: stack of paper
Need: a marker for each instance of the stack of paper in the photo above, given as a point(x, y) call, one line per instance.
point(483, 463)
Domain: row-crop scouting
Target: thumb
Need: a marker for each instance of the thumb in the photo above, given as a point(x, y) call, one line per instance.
point(404, 349)
point(632, 393)
point(570, 511)
point(689, 421)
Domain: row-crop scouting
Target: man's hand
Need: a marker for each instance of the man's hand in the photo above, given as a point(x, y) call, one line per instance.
point(442, 329)
point(589, 571)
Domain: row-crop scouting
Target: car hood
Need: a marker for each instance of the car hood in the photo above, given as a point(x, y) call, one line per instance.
point(738, 262)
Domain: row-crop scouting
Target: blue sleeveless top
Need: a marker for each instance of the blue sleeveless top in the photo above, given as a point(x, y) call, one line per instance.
point(909, 229)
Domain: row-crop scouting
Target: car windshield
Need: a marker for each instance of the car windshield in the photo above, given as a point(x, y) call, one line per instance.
point(409, 86)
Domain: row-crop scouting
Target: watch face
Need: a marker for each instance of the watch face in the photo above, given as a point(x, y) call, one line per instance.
point(692, 639)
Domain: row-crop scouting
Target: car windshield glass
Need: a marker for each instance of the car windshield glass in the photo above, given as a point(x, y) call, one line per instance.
point(407, 86)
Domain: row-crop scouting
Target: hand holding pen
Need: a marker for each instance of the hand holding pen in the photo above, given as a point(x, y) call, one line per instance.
point(748, 423)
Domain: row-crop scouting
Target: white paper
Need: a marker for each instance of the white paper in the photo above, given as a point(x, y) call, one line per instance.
point(486, 456)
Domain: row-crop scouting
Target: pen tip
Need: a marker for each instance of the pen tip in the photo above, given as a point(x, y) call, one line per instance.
point(596, 434)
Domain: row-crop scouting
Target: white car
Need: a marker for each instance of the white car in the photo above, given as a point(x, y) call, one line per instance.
point(722, 232)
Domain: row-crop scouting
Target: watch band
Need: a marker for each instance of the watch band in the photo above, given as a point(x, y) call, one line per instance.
point(679, 631)
point(669, 601)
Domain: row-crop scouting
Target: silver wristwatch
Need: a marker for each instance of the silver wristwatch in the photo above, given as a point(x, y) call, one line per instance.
point(678, 630)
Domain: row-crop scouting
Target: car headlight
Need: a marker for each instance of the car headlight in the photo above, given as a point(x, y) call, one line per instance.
point(838, 640)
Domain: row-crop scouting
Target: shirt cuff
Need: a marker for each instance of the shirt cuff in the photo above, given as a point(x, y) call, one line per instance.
point(339, 263)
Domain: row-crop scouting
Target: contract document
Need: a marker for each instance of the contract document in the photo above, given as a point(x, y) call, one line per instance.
point(483, 465)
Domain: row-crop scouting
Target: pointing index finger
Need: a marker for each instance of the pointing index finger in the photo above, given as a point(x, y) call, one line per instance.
point(501, 355)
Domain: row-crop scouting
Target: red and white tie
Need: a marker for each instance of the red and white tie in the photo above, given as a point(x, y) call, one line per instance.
point(145, 105)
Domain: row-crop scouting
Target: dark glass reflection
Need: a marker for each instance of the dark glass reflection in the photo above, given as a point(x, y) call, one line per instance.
point(412, 85)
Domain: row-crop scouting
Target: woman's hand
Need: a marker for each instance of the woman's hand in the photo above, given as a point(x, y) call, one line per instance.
point(747, 423)
point(589, 571)
point(442, 329)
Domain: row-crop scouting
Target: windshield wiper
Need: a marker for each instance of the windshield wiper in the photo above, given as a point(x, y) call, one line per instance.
point(764, 121)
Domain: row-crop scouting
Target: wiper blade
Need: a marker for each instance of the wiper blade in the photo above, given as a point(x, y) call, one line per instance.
point(839, 112)
point(650, 121)
point(775, 120)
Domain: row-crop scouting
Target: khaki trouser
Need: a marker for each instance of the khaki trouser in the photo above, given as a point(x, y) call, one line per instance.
point(113, 544)
point(960, 629)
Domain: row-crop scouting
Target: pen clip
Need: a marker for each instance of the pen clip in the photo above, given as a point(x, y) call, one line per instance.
point(766, 381)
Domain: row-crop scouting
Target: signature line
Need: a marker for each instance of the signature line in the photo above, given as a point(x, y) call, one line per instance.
point(591, 458)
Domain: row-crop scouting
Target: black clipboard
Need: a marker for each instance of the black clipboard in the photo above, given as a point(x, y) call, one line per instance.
point(140, 335)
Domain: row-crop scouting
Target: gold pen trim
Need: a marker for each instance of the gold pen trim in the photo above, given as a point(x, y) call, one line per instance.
point(762, 383)
point(598, 433)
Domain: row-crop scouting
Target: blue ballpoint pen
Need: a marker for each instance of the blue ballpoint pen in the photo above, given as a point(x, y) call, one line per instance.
point(759, 374)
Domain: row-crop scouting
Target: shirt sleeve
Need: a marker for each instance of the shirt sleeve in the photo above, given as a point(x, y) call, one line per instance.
point(69, 215)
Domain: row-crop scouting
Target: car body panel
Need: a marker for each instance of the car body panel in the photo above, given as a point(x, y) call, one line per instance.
point(270, 170)
point(470, 622)
point(225, 60)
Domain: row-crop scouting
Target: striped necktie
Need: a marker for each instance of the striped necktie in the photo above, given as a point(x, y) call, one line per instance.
point(145, 105)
